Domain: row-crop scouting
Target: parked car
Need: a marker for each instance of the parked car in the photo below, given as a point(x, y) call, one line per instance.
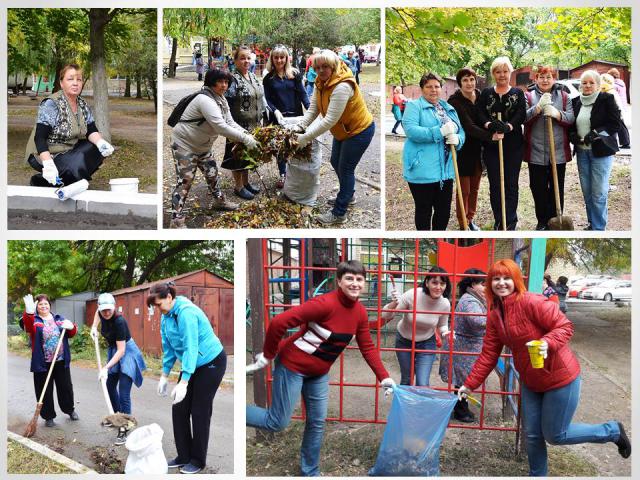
point(576, 287)
point(609, 291)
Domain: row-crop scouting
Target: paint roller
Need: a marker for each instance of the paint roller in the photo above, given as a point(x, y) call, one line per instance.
point(70, 191)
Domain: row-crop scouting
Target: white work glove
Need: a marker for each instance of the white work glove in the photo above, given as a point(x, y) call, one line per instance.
point(105, 147)
point(163, 385)
point(463, 392)
point(67, 324)
point(94, 333)
point(445, 332)
point(104, 372)
point(279, 117)
point(395, 295)
point(29, 304)
point(303, 141)
point(297, 128)
point(261, 362)
point(545, 100)
point(388, 384)
point(543, 349)
point(551, 111)
point(449, 127)
point(179, 392)
point(251, 143)
point(50, 172)
point(452, 139)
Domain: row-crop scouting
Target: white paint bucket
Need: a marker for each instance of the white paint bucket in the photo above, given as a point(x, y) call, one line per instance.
point(124, 185)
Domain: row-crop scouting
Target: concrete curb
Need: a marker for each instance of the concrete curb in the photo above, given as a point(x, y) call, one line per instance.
point(92, 201)
point(47, 452)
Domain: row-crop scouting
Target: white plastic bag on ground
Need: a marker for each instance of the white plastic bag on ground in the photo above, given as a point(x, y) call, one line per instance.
point(303, 176)
point(145, 451)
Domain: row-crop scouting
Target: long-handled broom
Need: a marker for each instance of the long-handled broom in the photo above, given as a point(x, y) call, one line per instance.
point(33, 424)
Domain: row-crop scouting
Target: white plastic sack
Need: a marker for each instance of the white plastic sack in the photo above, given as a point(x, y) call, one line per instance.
point(303, 176)
point(145, 451)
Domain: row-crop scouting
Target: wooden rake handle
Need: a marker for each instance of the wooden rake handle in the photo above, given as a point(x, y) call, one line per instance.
point(554, 167)
point(502, 196)
point(454, 157)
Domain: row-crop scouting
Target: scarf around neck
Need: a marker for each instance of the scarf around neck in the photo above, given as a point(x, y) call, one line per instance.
point(589, 99)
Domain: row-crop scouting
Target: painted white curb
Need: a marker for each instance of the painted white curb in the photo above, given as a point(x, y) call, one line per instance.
point(47, 452)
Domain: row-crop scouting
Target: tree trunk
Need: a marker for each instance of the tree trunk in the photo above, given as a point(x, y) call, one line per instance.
point(154, 91)
point(127, 87)
point(138, 86)
point(172, 60)
point(98, 20)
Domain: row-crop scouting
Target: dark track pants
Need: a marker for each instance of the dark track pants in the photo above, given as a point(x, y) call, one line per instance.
point(61, 376)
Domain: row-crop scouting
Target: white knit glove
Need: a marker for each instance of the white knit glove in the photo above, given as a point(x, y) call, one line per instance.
point(67, 324)
point(163, 385)
point(29, 304)
point(447, 128)
point(279, 117)
point(261, 362)
point(395, 296)
point(303, 140)
point(388, 384)
point(452, 139)
point(444, 332)
point(297, 128)
point(545, 100)
point(551, 111)
point(543, 349)
point(50, 172)
point(463, 392)
point(179, 391)
point(251, 143)
point(105, 147)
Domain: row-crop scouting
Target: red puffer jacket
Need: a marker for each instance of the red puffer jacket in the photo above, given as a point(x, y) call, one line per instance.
point(529, 317)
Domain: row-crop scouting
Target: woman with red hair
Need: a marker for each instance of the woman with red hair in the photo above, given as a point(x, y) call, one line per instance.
point(550, 394)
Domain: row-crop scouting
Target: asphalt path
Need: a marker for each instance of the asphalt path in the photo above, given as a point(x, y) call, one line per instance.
point(77, 439)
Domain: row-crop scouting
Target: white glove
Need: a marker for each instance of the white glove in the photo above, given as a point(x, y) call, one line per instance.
point(449, 127)
point(297, 128)
point(303, 141)
point(179, 392)
point(251, 143)
point(67, 324)
point(29, 304)
point(452, 139)
point(104, 372)
point(261, 362)
point(463, 392)
point(445, 332)
point(279, 117)
point(545, 100)
point(94, 333)
point(105, 147)
point(388, 384)
point(551, 111)
point(395, 295)
point(50, 172)
point(162, 385)
point(543, 349)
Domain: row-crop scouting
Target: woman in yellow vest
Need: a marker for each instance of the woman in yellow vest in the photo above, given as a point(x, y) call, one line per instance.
point(338, 99)
point(65, 145)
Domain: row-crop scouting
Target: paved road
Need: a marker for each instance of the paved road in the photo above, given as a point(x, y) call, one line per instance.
point(77, 439)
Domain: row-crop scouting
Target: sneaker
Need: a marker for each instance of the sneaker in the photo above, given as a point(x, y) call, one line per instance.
point(178, 222)
point(49, 423)
point(244, 194)
point(252, 189)
point(175, 463)
point(74, 416)
point(190, 468)
point(332, 201)
point(472, 226)
point(220, 203)
point(280, 182)
point(329, 218)
point(623, 443)
point(121, 439)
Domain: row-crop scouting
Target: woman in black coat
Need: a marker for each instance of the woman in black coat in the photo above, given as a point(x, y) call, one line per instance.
point(594, 136)
point(510, 101)
point(465, 102)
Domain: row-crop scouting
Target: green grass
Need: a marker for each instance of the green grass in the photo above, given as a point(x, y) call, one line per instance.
point(370, 73)
point(23, 460)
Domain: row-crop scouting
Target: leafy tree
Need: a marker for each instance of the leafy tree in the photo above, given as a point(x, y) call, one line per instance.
point(597, 255)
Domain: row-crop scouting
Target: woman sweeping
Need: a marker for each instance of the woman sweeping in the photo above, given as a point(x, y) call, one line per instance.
point(187, 336)
point(550, 394)
point(125, 363)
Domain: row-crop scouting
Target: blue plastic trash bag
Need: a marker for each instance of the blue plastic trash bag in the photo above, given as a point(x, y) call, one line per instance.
point(415, 428)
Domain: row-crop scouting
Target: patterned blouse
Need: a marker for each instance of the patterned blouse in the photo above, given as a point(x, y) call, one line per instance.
point(246, 100)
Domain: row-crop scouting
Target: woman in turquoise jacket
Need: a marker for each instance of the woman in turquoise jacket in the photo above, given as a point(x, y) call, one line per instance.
point(431, 126)
point(187, 336)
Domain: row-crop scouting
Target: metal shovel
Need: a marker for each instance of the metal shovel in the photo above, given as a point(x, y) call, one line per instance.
point(560, 222)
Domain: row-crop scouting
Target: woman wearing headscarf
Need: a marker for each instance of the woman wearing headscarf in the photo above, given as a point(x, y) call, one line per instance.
point(44, 329)
point(246, 101)
point(508, 101)
point(465, 101)
point(594, 136)
point(547, 100)
point(339, 101)
point(65, 145)
point(187, 336)
point(431, 126)
point(284, 92)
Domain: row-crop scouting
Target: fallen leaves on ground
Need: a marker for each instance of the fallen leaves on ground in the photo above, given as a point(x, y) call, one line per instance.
point(106, 460)
point(264, 212)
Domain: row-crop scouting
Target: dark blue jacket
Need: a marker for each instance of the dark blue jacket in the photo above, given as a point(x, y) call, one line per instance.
point(33, 325)
point(286, 95)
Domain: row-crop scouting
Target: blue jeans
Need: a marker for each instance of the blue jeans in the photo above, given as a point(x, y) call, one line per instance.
point(594, 175)
point(547, 417)
point(285, 391)
point(423, 361)
point(119, 388)
point(345, 156)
